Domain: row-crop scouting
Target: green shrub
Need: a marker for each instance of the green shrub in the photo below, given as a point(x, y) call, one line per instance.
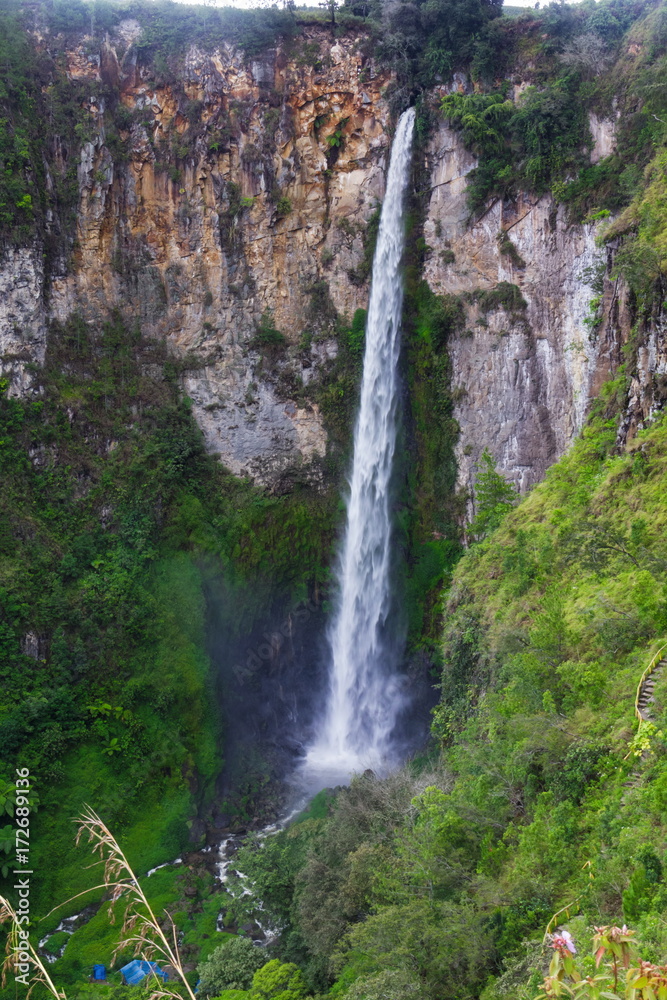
point(278, 981)
point(230, 967)
point(494, 497)
point(283, 206)
point(357, 335)
point(56, 942)
point(508, 249)
point(527, 145)
point(266, 332)
point(393, 984)
point(505, 296)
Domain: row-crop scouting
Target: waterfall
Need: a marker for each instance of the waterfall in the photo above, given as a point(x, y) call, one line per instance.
point(364, 696)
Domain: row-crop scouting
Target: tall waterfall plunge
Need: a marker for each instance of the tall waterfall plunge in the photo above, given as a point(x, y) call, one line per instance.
point(364, 696)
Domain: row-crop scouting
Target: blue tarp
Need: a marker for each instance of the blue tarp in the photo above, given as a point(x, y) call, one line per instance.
point(137, 970)
point(100, 972)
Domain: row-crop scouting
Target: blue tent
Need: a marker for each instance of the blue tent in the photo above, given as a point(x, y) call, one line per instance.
point(134, 972)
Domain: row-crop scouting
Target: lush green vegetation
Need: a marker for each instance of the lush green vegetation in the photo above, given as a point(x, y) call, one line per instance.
point(494, 497)
point(576, 60)
point(432, 509)
point(424, 42)
point(114, 525)
point(525, 146)
point(541, 794)
point(230, 967)
point(274, 980)
point(42, 125)
point(112, 521)
point(170, 28)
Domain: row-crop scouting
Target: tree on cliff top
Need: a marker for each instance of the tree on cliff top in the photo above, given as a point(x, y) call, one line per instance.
point(425, 40)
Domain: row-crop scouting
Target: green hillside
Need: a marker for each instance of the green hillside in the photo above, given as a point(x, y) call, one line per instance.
point(544, 794)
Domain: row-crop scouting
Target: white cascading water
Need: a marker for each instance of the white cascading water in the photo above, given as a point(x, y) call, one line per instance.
point(364, 697)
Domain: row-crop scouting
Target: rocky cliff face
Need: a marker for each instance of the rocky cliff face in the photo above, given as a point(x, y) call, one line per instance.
point(258, 227)
point(22, 316)
point(525, 373)
point(237, 211)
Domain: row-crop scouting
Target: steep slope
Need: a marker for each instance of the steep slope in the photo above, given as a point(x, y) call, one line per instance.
point(225, 209)
point(543, 795)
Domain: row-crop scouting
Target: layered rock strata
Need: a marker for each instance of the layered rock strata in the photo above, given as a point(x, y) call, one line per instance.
point(241, 207)
point(525, 374)
point(234, 222)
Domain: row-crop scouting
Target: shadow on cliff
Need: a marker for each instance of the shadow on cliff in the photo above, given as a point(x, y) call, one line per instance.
point(270, 669)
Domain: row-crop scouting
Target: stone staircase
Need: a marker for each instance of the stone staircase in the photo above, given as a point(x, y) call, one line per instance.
point(645, 691)
point(643, 701)
point(644, 697)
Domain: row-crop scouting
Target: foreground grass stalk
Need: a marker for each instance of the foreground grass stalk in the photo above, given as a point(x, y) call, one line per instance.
point(140, 930)
point(17, 944)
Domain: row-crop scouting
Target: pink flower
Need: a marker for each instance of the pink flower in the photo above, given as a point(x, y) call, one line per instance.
point(564, 940)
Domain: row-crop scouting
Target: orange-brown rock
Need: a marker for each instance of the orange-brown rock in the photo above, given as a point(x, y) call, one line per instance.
point(246, 187)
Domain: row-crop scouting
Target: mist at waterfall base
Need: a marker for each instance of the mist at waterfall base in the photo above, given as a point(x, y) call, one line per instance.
point(366, 695)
